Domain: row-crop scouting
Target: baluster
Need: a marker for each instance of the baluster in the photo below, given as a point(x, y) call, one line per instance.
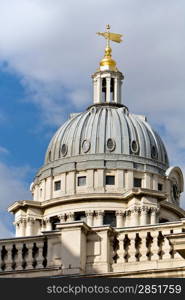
point(19, 259)
point(14, 257)
point(9, 260)
point(143, 247)
point(29, 258)
point(121, 250)
point(166, 248)
point(40, 258)
point(132, 248)
point(154, 246)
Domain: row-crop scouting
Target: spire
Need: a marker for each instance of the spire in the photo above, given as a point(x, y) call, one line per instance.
point(107, 63)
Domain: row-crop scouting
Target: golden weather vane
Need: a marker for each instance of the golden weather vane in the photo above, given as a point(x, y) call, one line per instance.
point(110, 36)
point(107, 62)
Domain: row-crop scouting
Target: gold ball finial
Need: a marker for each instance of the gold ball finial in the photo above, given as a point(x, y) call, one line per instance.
point(107, 62)
point(108, 27)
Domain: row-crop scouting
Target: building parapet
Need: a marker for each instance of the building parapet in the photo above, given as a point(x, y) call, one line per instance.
point(78, 249)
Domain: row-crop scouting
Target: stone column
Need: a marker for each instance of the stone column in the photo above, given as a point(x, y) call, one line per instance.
point(22, 227)
point(48, 224)
point(99, 218)
point(99, 90)
point(119, 219)
point(62, 218)
point(89, 215)
point(29, 226)
point(127, 218)
point(134, 217)
point(116, 100)
point(108, 90)
point(143, 216)
point(95, 90)
point(153, 218)
point(17, 228)
point(43, 225)
point(70, 217)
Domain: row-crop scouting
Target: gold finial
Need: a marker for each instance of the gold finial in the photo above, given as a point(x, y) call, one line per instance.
point(107, 62)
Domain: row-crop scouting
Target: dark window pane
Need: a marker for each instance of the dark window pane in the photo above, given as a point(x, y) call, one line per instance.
point(137, 182)
point(80, 216)
point(163, 220)
point(57, 185)
point(160, 187)
point(54, 220)
point(109, 218)
point(81, 180)
point(110, 180)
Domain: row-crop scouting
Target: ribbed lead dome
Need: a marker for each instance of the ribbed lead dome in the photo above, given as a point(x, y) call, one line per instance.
point(106, 129)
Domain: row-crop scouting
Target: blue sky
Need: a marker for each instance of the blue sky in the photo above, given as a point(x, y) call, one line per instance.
point(48, 51)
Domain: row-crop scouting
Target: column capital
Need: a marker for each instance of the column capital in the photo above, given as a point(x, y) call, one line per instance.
point(62, 217)
point(99, 212)
point(145, 209)
point(120, 213)
point(154, 210)
point(89, 213)
point(70, 214)
point(127, 212)
point(30, 220)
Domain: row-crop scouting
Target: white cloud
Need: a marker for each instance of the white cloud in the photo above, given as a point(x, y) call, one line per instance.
point(13, 187)
point(52, 45)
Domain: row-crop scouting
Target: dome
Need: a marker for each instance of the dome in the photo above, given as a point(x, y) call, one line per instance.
point(106, 129)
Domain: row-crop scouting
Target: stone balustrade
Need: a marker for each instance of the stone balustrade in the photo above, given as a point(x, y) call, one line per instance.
point(20, 255)
point(76, 248)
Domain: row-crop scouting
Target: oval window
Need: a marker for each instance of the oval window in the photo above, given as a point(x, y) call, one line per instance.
point(134, 147)
point(111, 145)
point(64, 149)
point(154, 152)
point(86, 146)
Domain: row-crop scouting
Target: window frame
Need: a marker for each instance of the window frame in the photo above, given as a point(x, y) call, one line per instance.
point(80, 178)
point(106, 177)
point(139, 180)
point(55, 185)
